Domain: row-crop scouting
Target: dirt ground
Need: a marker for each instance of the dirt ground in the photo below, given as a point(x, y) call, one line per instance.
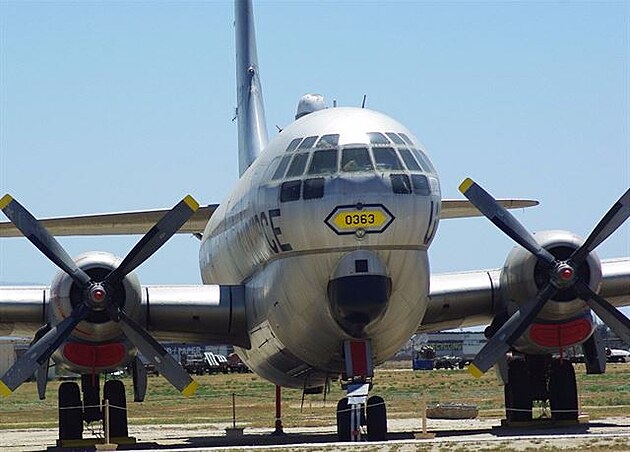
point(611, 434)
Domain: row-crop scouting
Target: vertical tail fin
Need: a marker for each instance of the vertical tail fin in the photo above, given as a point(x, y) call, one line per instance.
point(252, 127)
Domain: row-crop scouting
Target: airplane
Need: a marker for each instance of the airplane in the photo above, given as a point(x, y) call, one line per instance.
point(315, 267)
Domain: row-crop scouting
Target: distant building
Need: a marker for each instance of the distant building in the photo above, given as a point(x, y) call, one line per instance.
point(177, 351)
point(457, 343)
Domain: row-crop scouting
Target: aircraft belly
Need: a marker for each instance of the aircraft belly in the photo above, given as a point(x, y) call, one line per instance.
point(295, 339)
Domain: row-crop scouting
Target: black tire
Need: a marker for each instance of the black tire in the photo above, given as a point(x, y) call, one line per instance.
point(518, 396)
point(376, 419)
point(114, 391)
point(70, 411)
point(343, 420)
point(563, 397)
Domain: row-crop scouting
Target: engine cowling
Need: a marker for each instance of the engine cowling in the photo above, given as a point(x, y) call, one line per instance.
point(97, 344)
point(565, 320)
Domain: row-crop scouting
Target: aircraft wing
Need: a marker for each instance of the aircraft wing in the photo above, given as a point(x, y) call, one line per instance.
point(207, 314)
point(139, 222)
point(466, 299)
point(121, 223)
point(462, 208)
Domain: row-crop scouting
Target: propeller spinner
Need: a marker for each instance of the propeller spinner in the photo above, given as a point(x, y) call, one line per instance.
point(98, 295)
point(563, 274)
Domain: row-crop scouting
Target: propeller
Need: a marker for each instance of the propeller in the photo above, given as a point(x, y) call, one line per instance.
point(563, 274)
point(98, 295)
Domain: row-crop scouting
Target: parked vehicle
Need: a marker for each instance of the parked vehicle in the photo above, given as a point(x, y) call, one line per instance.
point(236, 365)
point(617, 355)
point(447, 362)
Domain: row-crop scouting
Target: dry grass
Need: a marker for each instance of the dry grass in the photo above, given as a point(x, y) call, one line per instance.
point(600, 395)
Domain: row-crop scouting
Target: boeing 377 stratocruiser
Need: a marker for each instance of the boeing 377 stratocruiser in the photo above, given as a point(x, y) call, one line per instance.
point(315, 268)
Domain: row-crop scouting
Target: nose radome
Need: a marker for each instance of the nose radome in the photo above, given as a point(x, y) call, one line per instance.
point(358, 290)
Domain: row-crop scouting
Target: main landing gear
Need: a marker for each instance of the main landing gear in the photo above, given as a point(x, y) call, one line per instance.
point(73, 412)
point(540, 378)
point(356, 410)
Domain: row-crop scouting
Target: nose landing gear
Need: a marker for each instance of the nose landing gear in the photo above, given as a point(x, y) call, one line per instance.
point(356, 410)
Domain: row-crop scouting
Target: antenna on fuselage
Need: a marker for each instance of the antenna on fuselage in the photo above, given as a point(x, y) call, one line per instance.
point(363, 103)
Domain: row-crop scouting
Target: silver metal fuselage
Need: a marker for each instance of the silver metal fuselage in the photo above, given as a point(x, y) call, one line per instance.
point(284, 248)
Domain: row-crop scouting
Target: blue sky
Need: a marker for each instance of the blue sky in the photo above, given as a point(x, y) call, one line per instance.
point(113, 106)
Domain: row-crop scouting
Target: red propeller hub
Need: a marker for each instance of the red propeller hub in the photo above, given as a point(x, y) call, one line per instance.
point(98, 294)
point(566, 274)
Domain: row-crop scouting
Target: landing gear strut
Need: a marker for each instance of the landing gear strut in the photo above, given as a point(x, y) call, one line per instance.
point(540, 378)
point(356, 409)
point(73, 412)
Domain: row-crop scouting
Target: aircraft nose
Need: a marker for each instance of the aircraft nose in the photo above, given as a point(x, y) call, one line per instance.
point(358, 291)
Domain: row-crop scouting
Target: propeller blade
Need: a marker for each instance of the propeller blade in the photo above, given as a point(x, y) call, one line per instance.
point(500, 343)
point(609, 314)
point(615, 217)
point(157, 236)
point(40, 352)
point(503, 219)
point(154, 352)
point(42, 239)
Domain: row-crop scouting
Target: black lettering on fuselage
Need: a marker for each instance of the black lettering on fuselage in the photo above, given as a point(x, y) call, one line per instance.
point(277, 232)
point(265, 226)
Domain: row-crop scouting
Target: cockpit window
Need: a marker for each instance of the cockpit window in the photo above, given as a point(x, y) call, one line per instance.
point(323, 162)
point(420, 184)
point(395, 138)
point(328, 141)
point(400, 184)
point(423, 159)
point(356, 159)
point(378, 138)
point(386, 159)
point(282, 167)
point(307, 143)
point(293, 144)
point(406, 138)
point(297, 165)
point(407, 157)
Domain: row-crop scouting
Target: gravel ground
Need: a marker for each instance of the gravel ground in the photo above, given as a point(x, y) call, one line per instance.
point(484, 434)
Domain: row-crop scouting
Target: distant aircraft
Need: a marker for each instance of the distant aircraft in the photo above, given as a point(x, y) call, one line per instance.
point(315, 268)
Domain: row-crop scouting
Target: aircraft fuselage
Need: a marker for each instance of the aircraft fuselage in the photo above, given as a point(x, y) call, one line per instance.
point(338, 183)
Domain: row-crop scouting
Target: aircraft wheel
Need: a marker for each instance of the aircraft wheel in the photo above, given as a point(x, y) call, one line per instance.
point(376, 419)
point(518, 397)
point(114, 391)
point(343, 420)
point(70, 411)
point(563, 391)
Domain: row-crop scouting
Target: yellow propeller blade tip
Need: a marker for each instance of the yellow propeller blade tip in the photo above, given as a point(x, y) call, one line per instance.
point(464, 186)
point(4, 389)
point(474, 371)
point(191, 202)
point(6, 199)
point(190, 389)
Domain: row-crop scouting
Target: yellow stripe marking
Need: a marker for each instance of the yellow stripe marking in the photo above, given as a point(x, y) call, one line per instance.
point(464, 186)
point(191, 202)
point(474, 371)
point(190, 389)
point(4, 389)
point(6, 199)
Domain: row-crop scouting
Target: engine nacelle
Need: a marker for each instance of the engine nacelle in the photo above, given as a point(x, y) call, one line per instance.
point(565, 320)
point(97, 344)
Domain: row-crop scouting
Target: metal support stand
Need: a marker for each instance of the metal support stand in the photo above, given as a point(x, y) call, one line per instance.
point(234, 431)
point(107, 445)
point(278, 431)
